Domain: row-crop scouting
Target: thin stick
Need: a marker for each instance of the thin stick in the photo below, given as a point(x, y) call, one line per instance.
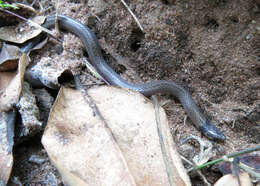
point(133, 15)
point(228, 156)
point(163, 148)
point(93, 71)
point(249, 170)
point(56, 15)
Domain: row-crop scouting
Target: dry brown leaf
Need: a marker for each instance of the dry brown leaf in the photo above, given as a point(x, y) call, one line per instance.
point(26, 8)
point(40, 44)
point(231, 180)
point(5, 79)
point(11, 88)
point(9, 56)
point(22, 32)
point(6, 145)
point(127, 152)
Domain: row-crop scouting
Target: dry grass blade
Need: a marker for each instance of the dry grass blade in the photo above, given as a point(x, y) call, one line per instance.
point(133, 15)
point(165, 158)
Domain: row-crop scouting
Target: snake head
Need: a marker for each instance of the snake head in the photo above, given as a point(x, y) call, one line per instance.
point(212, 132)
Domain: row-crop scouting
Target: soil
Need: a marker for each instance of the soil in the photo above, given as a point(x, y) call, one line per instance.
point(212, 47)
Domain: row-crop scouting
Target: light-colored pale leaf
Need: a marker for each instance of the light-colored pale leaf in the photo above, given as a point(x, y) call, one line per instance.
point(231, 180)
point(11, 86)
point(126, 151)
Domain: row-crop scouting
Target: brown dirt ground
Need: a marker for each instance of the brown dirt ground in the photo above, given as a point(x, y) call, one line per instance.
point(212, 47)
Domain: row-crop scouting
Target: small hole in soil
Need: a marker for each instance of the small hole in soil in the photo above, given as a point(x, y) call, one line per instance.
point(65, 77)
point(212, 24)
point(85, 53)
point(75, 1)
point(135, 39)
point(168, 2)
point(258, 71)
point(91, 22)
point(221, 2)
point(165, 2)
point(135, 45)
point(121, 68)
point(234, 19)
point(258, 5)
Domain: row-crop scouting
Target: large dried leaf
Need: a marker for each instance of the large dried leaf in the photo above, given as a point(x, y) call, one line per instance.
point(11, 86)
point(22, 32)
point(123, 150)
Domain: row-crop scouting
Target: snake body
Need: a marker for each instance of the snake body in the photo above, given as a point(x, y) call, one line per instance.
point(147, 89)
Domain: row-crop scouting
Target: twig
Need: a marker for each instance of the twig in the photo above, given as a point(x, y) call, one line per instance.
point(199, 172)
point(228, 156)
point(185, 119)
point(133, 15)
point(249, 170)
point(92, 104)
point(242, 166)
point(94, 71)
point(159, 131)
point(56, 15)
point(33, 3)
point(205, 150)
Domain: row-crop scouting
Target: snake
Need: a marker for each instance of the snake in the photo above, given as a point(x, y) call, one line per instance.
point(93, 49)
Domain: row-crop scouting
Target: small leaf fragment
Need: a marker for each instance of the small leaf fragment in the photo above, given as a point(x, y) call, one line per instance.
point(11, 89)
point(231, 180)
